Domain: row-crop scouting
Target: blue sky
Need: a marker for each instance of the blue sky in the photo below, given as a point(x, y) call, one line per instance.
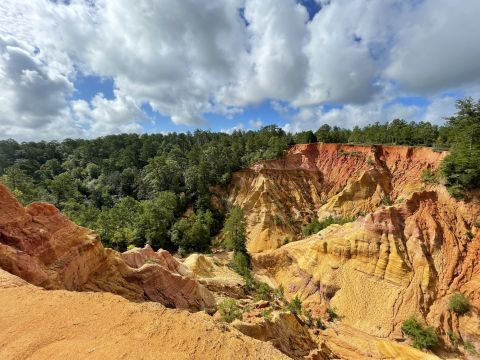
point(87, 69)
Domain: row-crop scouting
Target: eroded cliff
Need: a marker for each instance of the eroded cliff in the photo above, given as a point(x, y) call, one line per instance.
point(280, 196)
point(42, 246)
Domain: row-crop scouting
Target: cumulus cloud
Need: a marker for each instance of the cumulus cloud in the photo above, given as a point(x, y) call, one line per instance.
point(436, 48)
point(190, 58)
point(102, 116)
point(32, 95)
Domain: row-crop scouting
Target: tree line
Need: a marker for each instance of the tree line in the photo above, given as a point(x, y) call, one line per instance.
point(155, 188)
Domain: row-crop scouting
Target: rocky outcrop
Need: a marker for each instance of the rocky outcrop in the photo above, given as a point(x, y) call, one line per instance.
point(318, 180)
point(58, 324)
point(42, 246)
point(214, 273)
point(284, 330)
point(398, 261)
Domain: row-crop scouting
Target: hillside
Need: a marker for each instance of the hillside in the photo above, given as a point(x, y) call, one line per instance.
point(406, 247)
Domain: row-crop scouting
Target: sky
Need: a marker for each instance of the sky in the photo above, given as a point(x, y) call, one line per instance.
point(89, 68)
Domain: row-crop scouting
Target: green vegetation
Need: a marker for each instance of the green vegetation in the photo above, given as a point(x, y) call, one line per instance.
point(229, 310)
point(135, 189)
point(332, 314)
point(423, 338)
point(319, 324)
point(458, 303)
point(453, 339)
point(264, 292)
point(428, 176)
point(279, 293)
point(118, 184)
point(267, 314)
point(295, 306)
point(316, 226)
point(470, 348)
point(461, 167)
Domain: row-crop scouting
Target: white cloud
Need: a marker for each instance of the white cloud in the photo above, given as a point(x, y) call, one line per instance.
point(437, 47)
point(189, 58)
point(102, 116)
point(255, 124)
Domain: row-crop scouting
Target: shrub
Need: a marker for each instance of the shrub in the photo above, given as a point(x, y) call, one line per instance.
point(386, 200)
point(279, 293)
point(295, 306)
point(319, 324)
point(332, 314)
point(429, 176)
point(264, 292)
point(458, 303)
point(267, 314)
point(457, 191)
point(277, 220)
point(470, 348)
point(250, 282)
point(241, 263)
point(316, 226)
point(453, 339)
point(229, 310)
point(423, 338)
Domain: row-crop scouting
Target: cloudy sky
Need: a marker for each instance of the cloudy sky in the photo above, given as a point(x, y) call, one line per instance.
point(87, 68)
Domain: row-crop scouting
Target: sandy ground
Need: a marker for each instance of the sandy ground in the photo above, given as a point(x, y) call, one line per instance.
point(40, 324)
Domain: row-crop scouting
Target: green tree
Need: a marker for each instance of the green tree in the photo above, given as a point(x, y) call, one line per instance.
point(461, 167)
point(156, 217)
point(21, 185)
point(63, 188)
point(235, 230)
point(118, 226)
point(192, 233)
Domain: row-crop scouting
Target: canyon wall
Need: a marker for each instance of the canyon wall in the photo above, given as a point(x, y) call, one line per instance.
point(42, 246)
point(318, 180)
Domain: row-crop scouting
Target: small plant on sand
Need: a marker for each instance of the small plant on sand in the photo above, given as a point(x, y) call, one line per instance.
point(229, 310)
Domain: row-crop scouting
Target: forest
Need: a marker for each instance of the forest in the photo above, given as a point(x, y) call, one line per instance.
point(155, 188)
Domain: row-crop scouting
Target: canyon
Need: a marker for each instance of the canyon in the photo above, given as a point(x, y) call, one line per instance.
point(406, 248)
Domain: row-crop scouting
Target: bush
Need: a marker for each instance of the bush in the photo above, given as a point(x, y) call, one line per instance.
point(458, 303)
point(319, 324)
point(315, 226)
point(429, 176)
point(267, 314)
point(241, 263)
point(279, 293)
point(295, 306)
point(423, 338)
point(470, 348)
point(277, 220)
point(332, 314)
point(457, 191)
point(229, 310)
point(386, 200)
point(264, 292)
